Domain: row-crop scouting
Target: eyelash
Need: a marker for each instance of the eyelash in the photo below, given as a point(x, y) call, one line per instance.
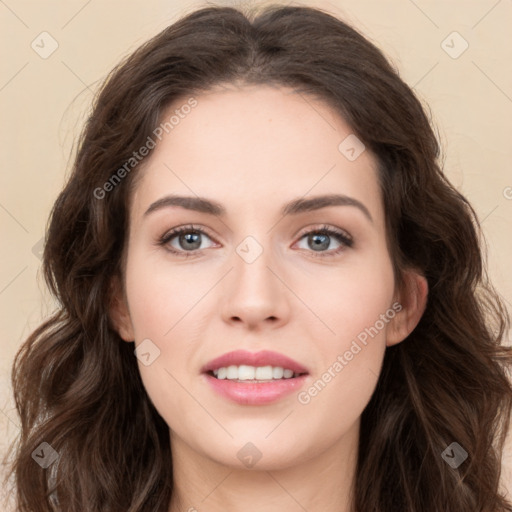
point(340, 236)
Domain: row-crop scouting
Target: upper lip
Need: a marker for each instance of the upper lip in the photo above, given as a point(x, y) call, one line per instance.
point(263, 358)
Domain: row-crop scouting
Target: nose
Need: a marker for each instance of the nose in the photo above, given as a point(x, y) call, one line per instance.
point(255, 295)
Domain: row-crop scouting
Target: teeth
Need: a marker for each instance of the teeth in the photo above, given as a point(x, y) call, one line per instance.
point(263, 373)
point(231, 372)
point(277, 372)
point(246, 372)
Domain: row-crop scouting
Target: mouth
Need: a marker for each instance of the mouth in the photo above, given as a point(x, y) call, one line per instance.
point(254, 374)
point(254, 378)
point(243, 366)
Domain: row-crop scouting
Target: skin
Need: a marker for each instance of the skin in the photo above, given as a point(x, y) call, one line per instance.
point(254, 149)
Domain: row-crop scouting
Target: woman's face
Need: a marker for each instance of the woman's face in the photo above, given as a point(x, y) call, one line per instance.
point(254, 280)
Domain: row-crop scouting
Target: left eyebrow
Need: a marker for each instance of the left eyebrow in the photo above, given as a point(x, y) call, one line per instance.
point(300, 205)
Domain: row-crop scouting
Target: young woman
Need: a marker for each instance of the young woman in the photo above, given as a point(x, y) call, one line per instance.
point(271, 298)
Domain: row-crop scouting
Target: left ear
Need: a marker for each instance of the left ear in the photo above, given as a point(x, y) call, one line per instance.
point(413, 299)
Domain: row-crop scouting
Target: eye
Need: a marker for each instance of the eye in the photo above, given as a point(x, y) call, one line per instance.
point(188, 239)
point(320, 239)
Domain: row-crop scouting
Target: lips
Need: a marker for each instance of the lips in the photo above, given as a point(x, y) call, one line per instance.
point(262, 358)
point(245, 390)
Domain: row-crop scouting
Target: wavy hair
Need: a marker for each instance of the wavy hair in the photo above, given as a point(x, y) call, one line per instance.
point(76, 383)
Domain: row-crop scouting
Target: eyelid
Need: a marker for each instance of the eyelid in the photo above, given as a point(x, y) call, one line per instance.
point(319, 228)
point(344, 238)
point(176, 231)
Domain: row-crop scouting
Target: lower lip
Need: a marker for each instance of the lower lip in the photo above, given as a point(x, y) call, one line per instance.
point(255, 393)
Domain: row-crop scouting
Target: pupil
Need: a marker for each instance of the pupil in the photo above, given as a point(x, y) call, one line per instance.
point(322, 244)
point(187, 237)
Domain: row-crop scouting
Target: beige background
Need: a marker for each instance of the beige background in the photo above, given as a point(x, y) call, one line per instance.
point(44, 101)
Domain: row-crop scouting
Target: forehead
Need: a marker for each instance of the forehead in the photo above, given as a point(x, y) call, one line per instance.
point(256, 147)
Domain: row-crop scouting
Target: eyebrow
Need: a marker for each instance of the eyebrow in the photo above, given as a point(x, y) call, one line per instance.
point(300, 205)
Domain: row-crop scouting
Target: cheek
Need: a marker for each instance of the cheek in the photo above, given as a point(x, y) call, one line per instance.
point(161, 297)
point(350, 298)
point(162, 302)
point(356, 306)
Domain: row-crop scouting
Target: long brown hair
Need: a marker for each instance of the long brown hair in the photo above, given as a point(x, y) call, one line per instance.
point(76, 383)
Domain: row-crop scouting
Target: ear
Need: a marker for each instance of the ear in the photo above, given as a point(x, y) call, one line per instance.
point(413, 299)
point(119, 313)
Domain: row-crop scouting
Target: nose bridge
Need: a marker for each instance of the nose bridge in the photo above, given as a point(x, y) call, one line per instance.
point(254, 292)
point(255, 249)
point(252, 262)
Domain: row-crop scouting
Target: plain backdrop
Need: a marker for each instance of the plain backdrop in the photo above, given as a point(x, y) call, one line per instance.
point(454, 53)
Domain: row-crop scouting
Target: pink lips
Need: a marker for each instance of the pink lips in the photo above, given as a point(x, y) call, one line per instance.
point(251, 392)
point(263, 358)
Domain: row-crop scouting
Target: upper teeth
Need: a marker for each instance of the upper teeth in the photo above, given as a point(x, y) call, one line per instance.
point(245, 372)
